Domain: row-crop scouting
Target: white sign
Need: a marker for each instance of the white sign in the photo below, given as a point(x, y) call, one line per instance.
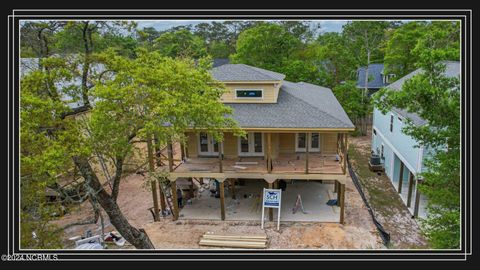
point(272, 198)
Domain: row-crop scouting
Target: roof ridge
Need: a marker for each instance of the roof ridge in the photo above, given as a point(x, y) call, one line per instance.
point(311, 105)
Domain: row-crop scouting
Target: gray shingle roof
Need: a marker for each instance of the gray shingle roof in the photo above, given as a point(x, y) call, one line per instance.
point(375, 71)
point(299, 105)
point(452, 69)
point(241, 72)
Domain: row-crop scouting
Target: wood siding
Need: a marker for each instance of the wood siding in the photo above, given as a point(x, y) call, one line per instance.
point(328, 143)
point(270, 92)
point(286, 143)
point(282, 143)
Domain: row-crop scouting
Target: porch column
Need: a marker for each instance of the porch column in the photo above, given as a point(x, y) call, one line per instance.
point(222, 199)
point(162, 199)
point(220, 157)
point(269, 152)
point(400, 180)
point(410, 189)
point(232, 188)
point(342, 203)
point(270, 210)
point(151, 168)
point(308, 136)
point(417, 199)
point(173, 185)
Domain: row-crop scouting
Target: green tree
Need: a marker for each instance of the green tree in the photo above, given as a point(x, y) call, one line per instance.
point(181, 43)
point(136, 97)
point(366, 39)
point(302, 30)
point(42, 152)
point(38, 38)
point(266, 46)
point(435, 98)
point(399, 57)
point(335, 62)
point(350, 97)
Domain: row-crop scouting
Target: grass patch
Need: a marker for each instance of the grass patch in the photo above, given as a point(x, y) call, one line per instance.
point(381, 194)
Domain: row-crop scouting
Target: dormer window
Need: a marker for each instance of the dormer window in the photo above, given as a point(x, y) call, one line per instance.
point(249, 93)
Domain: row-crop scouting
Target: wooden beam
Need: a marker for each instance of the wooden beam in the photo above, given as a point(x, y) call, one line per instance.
point(151, 168)
point(269, 152)
point(270, 210)
point(308, 135)
point(170, 156)
point(222, 200)
point(342, 204)
point(174, 200)
point(256, 175)
point(410, 189)
point(162, 199)
point(182, 151)
point(400, 178)
point(232, 187)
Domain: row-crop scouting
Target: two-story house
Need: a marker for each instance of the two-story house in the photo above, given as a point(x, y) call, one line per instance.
point(402, 156)
point(376, 78)
point(296, 132)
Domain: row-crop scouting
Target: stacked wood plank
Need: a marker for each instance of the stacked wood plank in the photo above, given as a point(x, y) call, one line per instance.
point(236, 241)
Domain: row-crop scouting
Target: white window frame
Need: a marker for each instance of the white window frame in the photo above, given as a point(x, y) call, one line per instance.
point(251, 146)
point(310, 149)
point(211, 148)
point(248, 89)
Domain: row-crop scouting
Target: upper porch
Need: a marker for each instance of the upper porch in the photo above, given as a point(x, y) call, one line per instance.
point(320, 155)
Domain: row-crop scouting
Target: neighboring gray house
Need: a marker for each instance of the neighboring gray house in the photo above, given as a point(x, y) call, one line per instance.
point(403, 161)
point(377, 78)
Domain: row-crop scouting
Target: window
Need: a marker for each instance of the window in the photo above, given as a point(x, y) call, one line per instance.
point(301, 142)
point(249, 93)
point(252, 145)
point(207, 145)
point(315, 141)
point(391, 123)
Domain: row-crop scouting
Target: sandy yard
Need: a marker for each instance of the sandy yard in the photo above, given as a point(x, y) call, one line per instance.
point(358, 232)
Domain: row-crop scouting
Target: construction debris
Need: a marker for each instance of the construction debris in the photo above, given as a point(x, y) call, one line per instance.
point(238, 241)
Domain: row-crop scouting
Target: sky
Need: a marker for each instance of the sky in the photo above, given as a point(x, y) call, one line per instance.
point(326, 25)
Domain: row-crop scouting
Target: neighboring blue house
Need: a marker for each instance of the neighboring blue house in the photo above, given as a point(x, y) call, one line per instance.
point(398, 153)
point(377, 78)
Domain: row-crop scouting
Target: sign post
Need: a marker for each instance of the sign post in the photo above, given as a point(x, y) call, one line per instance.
point(272, 198)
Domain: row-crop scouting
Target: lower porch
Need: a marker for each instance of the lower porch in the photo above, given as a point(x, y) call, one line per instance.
point(243, 201)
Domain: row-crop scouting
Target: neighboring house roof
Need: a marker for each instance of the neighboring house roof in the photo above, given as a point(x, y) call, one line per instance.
point(299, 105)
point(220, 62)
point(241, 72)
point(375, 72)
point(452, 69)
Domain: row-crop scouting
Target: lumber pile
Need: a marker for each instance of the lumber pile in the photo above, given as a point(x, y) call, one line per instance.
point(236, 241)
